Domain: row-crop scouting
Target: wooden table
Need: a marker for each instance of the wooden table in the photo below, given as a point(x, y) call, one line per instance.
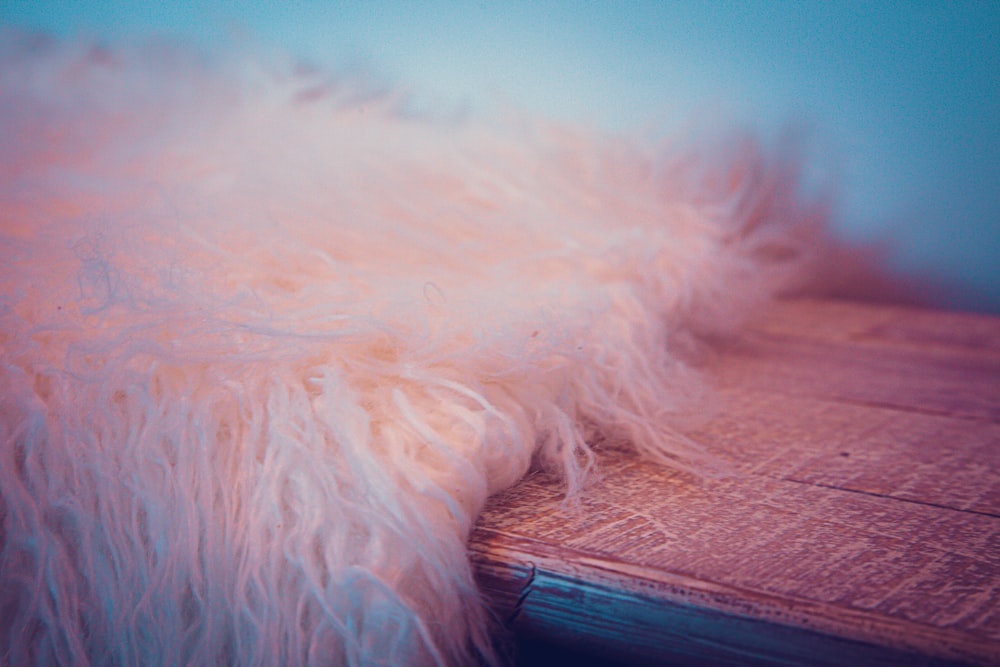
point(862, 526)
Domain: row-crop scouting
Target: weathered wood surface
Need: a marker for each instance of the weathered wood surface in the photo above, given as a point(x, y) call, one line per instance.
point(863, 526)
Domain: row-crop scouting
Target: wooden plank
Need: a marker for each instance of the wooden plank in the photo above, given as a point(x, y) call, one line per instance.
point(882, 325)
point(903, 454)
point(861, 524)
point(960, 385)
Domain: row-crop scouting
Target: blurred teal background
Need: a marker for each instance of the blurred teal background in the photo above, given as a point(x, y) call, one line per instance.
point(903, 98)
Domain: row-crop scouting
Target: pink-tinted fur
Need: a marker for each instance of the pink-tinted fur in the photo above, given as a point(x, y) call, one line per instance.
point(269, 340)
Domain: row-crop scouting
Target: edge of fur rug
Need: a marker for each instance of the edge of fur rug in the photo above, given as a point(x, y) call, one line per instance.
point(269, 340)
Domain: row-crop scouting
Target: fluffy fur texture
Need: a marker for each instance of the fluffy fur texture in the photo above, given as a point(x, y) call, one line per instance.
point(269, 340)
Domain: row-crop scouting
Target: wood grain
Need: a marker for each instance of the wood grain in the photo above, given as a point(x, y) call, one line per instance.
point(861, 524)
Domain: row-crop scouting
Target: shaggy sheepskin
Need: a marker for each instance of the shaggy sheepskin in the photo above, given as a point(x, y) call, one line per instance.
point(270, 338)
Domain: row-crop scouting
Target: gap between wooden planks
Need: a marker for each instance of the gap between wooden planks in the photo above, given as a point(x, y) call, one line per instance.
point(863, 526)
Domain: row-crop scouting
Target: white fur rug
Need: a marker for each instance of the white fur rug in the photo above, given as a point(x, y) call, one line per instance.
point(269, 339)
